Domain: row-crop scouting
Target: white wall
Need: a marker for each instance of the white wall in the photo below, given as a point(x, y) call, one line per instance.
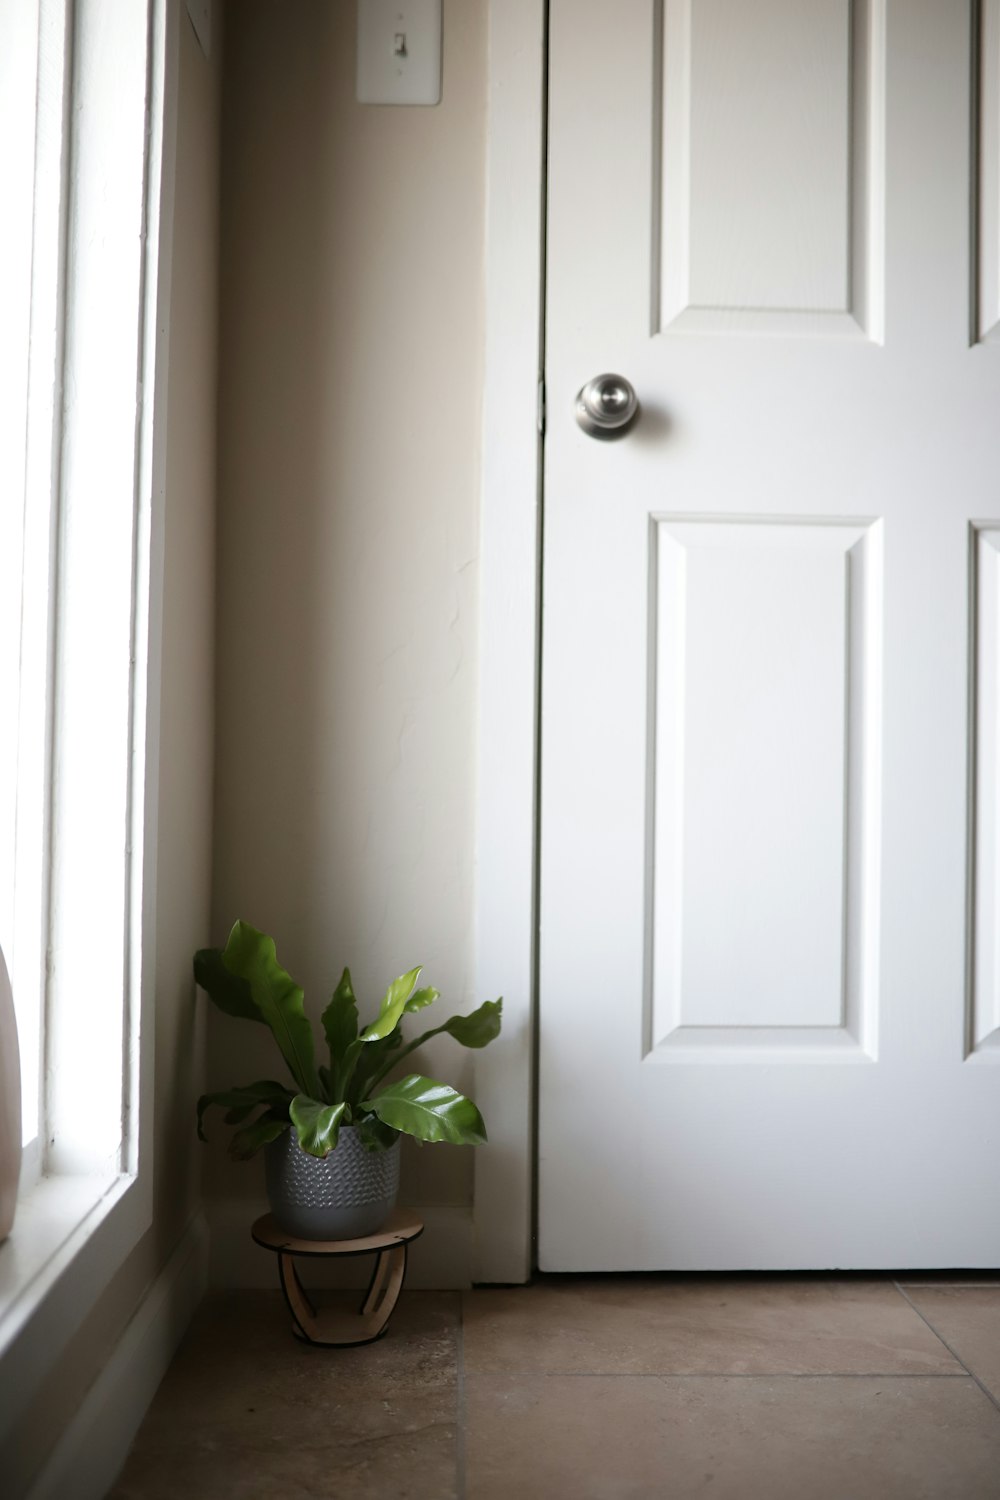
point(185, 804)
point(350, 386)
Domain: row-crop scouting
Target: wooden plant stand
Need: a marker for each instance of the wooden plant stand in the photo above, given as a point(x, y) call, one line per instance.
point(330, 1327)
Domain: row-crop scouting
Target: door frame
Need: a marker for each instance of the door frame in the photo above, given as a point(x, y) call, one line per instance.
point(510, 556)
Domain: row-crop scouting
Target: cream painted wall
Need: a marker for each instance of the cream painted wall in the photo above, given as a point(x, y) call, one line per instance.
point(350, 387)
point(185, 801)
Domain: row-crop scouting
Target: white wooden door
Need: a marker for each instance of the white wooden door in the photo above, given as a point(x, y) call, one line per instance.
point(770, 840)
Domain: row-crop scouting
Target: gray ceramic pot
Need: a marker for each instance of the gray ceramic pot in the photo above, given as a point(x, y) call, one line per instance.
point(343, 1196)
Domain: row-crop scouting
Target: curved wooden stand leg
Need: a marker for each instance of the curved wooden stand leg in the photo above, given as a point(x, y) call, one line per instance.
point(302, 1311)
point(386, 1284)
point(302, 1291)
point(334, 1329)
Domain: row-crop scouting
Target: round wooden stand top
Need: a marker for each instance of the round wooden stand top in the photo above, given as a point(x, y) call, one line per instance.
point(401, 1227)
point(329, 1327)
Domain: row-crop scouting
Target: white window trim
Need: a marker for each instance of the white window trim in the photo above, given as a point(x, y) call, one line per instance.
point(73, 1232)
point(509, 627)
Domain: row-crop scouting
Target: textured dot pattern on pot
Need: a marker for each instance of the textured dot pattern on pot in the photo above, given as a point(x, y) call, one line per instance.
point(343, 1196)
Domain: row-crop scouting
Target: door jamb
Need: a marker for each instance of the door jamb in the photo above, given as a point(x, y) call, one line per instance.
point(509, 634)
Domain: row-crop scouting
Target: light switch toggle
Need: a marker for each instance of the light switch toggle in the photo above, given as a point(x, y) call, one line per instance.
point(399, 51)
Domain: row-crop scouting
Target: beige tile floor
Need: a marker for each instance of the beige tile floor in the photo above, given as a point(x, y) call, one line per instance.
point(598, 1388)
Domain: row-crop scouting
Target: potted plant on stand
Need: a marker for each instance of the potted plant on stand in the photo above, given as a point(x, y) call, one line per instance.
point(331, 1138)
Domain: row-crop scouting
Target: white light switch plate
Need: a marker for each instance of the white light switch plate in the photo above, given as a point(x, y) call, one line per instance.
point(399, 51)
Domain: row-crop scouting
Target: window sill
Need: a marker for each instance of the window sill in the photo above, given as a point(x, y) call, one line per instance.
point(51, 1214)
point(70, 1236)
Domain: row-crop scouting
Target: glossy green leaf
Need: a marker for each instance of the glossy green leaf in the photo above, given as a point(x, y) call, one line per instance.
point(421, 998)
point(247, 1142)
point(316, 1125)
point(242, 1101)
point(237, 1115)
point(374, 1135)
point(475, 1030)
point(430, 1111)
point(392, 1007)
point(250, 955)
point(340, 1024)
point(376, 1058)
point(340, 1085)
point(479, 1028)
point(225, 989)
point(340, 1019)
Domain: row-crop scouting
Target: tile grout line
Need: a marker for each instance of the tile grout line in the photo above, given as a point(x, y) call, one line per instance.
point(962, 1374)
point(953, 1352)
point(949, 1286)
point(460, 1401)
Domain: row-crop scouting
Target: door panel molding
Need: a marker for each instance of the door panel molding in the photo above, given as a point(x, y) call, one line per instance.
point(805, 106)
point(986, 150)
point(765, 718)
point(984, 650)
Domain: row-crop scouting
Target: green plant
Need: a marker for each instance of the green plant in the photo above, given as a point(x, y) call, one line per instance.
point(245, 980)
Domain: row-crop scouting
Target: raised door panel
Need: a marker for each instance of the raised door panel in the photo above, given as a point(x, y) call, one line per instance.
point(770, 144)
point(987, 69)
point(984, 1007)
point(764, 798)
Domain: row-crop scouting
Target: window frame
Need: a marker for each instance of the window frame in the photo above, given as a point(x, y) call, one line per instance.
point(76, 1226)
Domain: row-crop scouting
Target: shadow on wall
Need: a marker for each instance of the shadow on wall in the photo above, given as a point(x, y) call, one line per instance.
point(350, 379)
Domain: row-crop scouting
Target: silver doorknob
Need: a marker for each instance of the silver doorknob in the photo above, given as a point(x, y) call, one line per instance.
point(606, 406)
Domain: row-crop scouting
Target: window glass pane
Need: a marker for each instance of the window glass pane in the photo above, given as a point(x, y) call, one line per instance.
point(18, 72)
